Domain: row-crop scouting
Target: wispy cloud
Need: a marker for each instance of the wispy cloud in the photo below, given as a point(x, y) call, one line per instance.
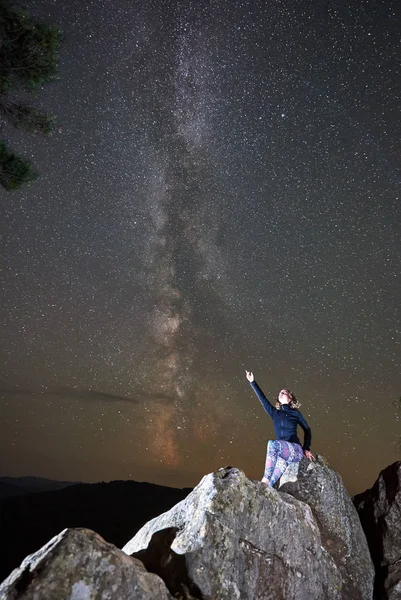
point(84, 395)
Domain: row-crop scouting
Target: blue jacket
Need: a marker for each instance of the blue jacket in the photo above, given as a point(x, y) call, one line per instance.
point(285, 420)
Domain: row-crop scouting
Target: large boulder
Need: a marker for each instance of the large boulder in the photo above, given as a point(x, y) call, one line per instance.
point(232, 538)
point(78, 564)
point(319, 486)
point(379, 509)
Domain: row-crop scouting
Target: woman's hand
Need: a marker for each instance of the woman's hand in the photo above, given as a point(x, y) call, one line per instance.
point(309, 455)
point(249, 376)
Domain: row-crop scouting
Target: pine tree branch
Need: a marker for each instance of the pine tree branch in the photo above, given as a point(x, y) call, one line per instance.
point(23, 116)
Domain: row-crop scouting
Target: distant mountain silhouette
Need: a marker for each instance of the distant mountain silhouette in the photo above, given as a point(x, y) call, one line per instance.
point(7, 490)
point(17, 486)
point(115, 510)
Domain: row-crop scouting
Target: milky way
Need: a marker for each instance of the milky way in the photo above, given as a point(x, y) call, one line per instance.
point(222, 193)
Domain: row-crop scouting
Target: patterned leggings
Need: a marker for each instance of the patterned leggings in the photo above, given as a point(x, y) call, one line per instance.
point(279, 455)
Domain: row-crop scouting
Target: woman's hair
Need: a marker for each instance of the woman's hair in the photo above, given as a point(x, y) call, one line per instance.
point(293, 402)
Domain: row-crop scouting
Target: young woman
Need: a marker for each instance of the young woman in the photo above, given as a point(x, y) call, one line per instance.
point(287, 447)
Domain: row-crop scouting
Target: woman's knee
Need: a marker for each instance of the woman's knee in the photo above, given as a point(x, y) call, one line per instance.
point(271, 447)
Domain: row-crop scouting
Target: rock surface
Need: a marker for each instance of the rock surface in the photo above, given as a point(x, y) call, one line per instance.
point(379, 509)
point(78, 564)
point(317, 484)
point(232, 538)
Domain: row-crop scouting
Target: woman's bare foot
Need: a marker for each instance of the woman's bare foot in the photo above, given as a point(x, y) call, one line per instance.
point(265, 480)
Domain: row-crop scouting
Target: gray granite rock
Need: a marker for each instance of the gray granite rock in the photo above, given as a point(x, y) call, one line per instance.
point(379, 509)
point(236, 539)
point(392, 583)
point(319, 486)
point(78, 564)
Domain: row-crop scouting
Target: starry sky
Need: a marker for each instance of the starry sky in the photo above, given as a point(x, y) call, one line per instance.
point(221, 193)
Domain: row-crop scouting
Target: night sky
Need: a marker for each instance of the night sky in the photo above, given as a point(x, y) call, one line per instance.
point(222, 193)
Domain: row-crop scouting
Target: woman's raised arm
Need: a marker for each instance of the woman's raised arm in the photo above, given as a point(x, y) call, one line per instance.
point(269, 408)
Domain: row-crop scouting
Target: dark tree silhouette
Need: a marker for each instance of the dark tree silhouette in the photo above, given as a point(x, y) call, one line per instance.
point(28, 59)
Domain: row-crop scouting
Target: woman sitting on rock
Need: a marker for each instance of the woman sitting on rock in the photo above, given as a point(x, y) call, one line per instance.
point(286, 417)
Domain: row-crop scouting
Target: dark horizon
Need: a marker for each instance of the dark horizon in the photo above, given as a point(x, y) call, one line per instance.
point(172, 480)
point(34, 478)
